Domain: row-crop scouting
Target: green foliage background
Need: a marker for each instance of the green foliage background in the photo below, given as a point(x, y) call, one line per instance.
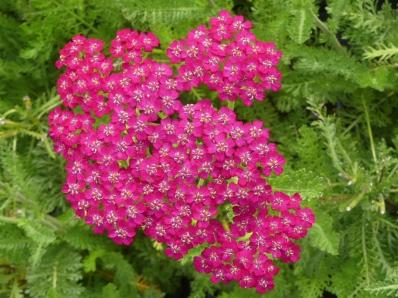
point(336, 121)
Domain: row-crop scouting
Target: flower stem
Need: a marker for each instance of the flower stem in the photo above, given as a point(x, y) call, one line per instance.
point(325, 29)
point(372, 145)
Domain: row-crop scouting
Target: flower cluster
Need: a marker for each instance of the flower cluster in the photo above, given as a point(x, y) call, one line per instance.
point(137, 158)
point(228, 59)
point(110, 127)
point(208, 161)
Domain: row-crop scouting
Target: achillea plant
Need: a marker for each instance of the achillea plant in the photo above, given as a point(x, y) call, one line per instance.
point(334, 120)
point(138, 158)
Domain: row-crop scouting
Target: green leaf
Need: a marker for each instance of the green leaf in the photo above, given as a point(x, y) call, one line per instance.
point(336, 9)
point(14, 245)
point(57, 275)
point(170, 12)
point(382, 53)
point(39, 233)
point(193, 252)
point(201, 286)
point(12, 237)
point(305, 182)
point(90, 261)
point(110, 291)
point(391, 290)
point(125, 275)
point(301, 21)
point(81, 236)
point(322, 235)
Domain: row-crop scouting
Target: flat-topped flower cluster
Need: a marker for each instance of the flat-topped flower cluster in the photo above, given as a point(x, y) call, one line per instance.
point(138, 158)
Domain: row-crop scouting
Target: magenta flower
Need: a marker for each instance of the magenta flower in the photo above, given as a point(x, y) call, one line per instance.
point(137, 158)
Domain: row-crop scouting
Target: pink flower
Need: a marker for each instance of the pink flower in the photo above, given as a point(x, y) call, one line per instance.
point(187, 175)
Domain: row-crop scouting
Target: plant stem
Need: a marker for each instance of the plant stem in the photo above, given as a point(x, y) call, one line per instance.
point(365, 253)
point(355, 201)
point(372, 145)
point(325, 29)
point(54, 102)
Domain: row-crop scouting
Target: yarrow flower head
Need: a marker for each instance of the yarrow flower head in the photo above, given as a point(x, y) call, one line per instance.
point(137, 158)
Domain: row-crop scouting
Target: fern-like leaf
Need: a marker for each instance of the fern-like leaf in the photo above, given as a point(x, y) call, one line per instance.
point(57, 274)
point(323, 236)
point(336, 9)
point(388, 287)
point(125, 275)
point(81, 237)
point(158, 11)
point(383, 53)
point(302, 22)
point(303, 181)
